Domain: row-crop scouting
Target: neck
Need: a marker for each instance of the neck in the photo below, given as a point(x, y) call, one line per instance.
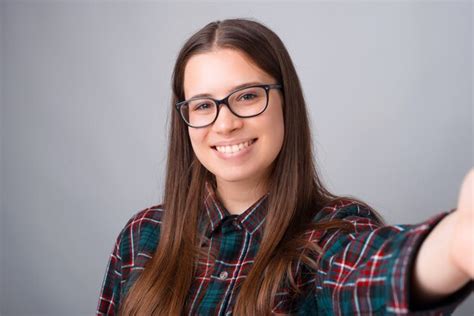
point(237, 197)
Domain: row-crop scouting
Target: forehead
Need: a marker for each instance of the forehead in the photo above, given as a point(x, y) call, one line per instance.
point(219, 71)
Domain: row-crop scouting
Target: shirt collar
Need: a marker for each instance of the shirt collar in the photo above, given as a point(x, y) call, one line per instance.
point(251, 219)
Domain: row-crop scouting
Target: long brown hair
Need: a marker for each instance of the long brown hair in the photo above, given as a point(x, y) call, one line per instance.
point(296, 193)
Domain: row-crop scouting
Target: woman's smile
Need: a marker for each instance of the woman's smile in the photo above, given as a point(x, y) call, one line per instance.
point(234, 149)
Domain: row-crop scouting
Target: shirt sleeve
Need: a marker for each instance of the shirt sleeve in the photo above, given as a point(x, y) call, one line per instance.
point(367, 271)
point(111, 285)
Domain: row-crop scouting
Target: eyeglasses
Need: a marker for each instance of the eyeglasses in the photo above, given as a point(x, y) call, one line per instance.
point(245, 102)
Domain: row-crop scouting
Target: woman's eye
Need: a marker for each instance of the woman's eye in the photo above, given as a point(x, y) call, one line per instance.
point(202, 106)
point(248, 96)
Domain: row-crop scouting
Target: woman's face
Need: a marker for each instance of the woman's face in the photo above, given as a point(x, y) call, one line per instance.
point(259, 138)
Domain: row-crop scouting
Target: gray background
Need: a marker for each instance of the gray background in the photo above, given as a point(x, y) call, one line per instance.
point(85, 92)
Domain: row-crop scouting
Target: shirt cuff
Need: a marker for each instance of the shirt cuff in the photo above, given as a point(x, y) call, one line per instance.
point(402, 271)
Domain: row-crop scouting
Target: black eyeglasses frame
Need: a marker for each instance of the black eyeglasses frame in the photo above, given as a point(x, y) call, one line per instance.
point(225, 101)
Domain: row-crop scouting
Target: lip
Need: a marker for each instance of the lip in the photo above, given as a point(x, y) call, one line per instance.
point(237, 155)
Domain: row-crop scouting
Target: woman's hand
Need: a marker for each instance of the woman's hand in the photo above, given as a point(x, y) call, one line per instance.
point(445, 262)
point(462, 242)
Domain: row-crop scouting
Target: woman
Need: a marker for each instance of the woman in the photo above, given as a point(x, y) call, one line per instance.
point(247, 227)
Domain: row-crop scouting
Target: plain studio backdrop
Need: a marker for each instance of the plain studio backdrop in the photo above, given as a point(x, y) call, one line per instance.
point(85, 106)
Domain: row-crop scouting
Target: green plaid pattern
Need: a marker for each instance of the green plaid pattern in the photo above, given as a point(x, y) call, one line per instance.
point(365, 272)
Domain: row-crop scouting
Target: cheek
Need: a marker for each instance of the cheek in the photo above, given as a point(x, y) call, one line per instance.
point(272, 126)
point(197, 137)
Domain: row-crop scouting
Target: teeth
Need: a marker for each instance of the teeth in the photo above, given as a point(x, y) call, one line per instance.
point(234, 148)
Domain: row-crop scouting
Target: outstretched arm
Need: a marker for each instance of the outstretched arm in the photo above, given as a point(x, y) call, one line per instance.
point(381, 269)
point(445, 261)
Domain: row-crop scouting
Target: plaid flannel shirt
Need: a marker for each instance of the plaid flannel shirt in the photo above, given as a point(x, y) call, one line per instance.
point(364, 272)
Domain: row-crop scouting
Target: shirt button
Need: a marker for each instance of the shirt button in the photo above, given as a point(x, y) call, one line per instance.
point(223, 275)
point(236, 225)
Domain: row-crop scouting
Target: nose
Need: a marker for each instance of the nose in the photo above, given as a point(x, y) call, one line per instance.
point(226, 121)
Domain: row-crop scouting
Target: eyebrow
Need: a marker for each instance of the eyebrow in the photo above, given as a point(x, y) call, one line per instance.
point(243, 85)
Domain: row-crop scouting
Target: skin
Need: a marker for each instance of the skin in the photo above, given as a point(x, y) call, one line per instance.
point(240, 182)
point(445, 261)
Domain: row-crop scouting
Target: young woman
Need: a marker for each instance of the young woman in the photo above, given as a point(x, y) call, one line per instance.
point(247, 227)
